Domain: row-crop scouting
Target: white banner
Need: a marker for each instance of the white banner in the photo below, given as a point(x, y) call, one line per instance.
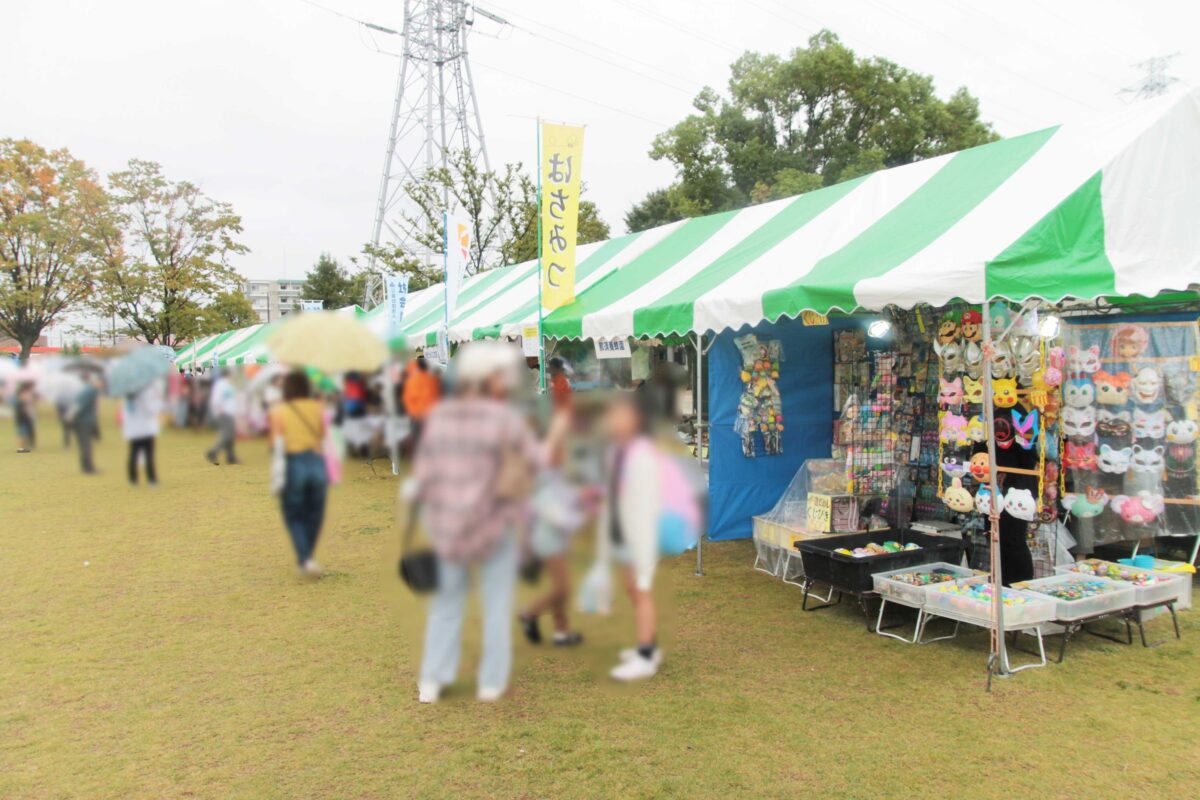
point(458, 255)
point(612, 348)
point(530, 347)
point(396, 298)
point(312, 305)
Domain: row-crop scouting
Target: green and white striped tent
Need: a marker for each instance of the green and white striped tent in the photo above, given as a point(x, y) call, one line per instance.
point(1076, 211)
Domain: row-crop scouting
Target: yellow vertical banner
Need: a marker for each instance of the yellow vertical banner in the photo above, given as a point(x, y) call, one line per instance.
point(561, 167)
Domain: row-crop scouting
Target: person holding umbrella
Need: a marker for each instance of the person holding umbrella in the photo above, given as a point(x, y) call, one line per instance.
point(137, 377)
point(85, 421)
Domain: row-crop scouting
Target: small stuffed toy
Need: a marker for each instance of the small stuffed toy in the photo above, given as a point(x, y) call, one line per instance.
point(957, 498)
point(1141, 509)
point(1019, 503)
point(983, 501)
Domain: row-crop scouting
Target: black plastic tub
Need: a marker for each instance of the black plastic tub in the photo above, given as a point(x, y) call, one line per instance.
point(849, 574)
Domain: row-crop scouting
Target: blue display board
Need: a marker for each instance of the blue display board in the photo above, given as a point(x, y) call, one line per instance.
point(740, 487)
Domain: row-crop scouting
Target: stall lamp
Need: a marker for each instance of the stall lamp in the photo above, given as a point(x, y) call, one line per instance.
point(879, 329)
point(1048, 329)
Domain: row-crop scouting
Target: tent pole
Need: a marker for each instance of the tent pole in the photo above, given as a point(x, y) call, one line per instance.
point(699, 397)
point(998, 658)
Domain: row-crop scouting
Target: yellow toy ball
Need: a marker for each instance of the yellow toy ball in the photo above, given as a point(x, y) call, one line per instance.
point(745, 376)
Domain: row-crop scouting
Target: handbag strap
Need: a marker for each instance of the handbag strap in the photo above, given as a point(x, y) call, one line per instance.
point(410, 527)
point(296, 413)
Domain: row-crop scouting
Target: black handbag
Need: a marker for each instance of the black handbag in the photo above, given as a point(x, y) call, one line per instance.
point(418, 568)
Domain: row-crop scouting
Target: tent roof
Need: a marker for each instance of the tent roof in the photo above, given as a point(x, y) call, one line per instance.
point(1080, 211)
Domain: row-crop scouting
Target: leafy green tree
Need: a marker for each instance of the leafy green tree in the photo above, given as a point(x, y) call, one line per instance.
point(328, 282)
point(54, 221)
point(525, 246)
point(180, 241)
point(228, 311)
point(791, 124)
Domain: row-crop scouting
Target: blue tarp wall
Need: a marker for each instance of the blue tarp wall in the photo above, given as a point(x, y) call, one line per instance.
point(741, 487)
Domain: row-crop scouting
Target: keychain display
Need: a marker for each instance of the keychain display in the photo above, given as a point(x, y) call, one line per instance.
point(760, 408)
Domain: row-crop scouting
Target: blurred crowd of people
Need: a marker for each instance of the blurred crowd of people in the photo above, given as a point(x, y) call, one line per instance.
point(501, 482)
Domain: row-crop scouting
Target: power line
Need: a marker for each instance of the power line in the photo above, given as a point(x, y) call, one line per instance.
point(373, 26)
point(675, 26)
point(570, 94)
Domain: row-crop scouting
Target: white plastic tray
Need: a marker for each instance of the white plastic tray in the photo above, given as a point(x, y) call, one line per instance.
point(1164, 585)
point(1117, 595)
point(1035, 610)
point(911, 594)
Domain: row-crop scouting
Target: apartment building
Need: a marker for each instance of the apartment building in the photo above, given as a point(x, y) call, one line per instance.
point(274, 299)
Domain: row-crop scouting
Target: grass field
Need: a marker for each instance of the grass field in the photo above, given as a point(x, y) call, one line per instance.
point(156, 644)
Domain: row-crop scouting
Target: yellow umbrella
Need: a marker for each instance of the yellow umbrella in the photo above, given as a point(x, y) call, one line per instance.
point(330, 342)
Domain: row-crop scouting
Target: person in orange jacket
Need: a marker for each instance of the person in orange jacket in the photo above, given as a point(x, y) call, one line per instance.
point(421, 393)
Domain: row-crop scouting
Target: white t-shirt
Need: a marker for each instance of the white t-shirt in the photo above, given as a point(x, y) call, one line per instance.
point(140, 417)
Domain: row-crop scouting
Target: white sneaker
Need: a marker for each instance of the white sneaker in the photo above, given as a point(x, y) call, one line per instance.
point(632, 652)
point(428, 691)
point(312, 569)
point(486, 694)
point(635, 669)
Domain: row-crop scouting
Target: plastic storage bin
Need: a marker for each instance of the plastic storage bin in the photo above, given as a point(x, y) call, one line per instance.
point(1112, 595)
point(850, 574)
point(1149, 588)
point(957, 601)
point(893, 586)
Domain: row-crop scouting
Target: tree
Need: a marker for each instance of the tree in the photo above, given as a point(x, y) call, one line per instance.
point(180, 243)
point(54, 218)
point(817, 117)
point(226, 312)
point(328, 282)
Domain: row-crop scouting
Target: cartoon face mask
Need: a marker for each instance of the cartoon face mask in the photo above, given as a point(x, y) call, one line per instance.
point(1182, 431)
point(1147, 387)
point(1112, 424)
point(1080, 456)
point(1002, 361)
point(954, 430)
point(972, 390)
point(973, 360)
point(1129, 341)
point(977, 429)
point(947, 330)
point(1079, 392)
point(1028, 357)
point(1083, 362)
point(953, 467)
point(951, 356)
point(1115, 462)
point(983, 501)
point(1079, 423)
point(1004, 392)
point(950, 393)
point(1088, 505)
point(980, 466)
point(972, 325)
point(1147, 461)
point(1019, 503)
point(1112, 390)
point(1004, 432)
point(957, 498)
point(1025, 428)
point(1140, 509)
point(1149, 424)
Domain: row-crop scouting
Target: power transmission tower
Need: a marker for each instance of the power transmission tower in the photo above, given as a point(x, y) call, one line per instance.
point(435, 115)
point(1156, 81)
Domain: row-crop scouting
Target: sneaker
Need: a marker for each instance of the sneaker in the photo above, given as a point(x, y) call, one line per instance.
point(568, 639)
point(635, 669)
point(23, 450)
point(487, 694)
point(428, 692)
point(312, 569)
point(529, 626)
point(632, 652)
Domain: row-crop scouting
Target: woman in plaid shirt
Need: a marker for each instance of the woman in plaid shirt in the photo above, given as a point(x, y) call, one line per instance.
point(456, 466)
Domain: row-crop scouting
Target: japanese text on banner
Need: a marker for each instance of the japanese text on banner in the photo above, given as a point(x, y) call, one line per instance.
point(561, 167)
point(396, 298)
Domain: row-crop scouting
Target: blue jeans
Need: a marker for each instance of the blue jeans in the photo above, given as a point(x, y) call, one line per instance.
point(443, 629)
point(303, 500)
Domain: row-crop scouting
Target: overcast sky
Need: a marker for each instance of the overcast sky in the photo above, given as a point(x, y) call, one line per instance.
point(282, 108)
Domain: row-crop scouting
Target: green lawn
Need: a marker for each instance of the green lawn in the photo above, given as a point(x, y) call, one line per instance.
point(155, 643)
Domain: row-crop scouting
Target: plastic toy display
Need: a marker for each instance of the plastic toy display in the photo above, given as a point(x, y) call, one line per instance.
point(1149, 587)
point(971, 600)
point(1081, 596)
point(760, 409)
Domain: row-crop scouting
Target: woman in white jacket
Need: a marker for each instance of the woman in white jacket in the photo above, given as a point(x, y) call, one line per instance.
point(140, 426)
point(628, 528)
